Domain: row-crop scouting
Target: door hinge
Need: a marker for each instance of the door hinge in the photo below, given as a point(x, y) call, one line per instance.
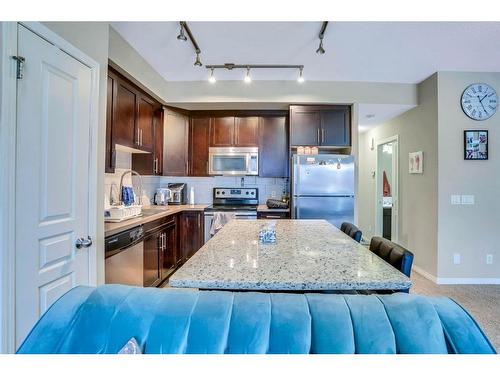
point(20, 66)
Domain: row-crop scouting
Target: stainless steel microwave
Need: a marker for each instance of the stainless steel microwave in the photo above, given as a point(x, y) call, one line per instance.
point(233, 161)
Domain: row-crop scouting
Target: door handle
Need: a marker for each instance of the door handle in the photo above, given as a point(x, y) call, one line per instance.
point(83, 242)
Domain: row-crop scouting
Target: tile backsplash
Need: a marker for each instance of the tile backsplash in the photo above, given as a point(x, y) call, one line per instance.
point(203, 186)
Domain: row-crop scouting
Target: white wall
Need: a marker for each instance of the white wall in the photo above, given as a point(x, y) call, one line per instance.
point(470, 230)
point(417, 131)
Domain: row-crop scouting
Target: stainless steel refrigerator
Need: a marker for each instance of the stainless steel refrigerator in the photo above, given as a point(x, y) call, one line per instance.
point(323, 188)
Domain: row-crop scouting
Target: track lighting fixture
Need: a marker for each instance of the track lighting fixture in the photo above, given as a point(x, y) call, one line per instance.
point(248, 79)
point(212, 77)
point(300, 78)
point(181, 35)
point(198, 61)
point(321, 50)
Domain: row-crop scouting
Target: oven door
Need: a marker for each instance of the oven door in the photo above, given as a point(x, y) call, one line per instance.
point(233, 161)
point(243, 215)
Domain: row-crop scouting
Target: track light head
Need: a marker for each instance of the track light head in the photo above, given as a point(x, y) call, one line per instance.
point(248, 79)
point(198, 61)
point(212, 77)
point(181, 35)
point(320, 50)
point(300, 78)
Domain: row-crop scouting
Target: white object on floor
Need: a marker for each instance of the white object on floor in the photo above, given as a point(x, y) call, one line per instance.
point(220, 219)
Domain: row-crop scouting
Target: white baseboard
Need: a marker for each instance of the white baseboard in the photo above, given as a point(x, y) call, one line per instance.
point(425, 274)
point(476, 281)
point(456, 280)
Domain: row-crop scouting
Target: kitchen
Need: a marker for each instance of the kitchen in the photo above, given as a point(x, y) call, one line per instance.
point(219, 161)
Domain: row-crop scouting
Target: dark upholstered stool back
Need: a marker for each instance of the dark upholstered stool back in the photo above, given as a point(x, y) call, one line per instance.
point(352, 231)
point(393, 254)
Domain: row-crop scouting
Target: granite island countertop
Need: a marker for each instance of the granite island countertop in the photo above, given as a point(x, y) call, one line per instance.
point(309, 255)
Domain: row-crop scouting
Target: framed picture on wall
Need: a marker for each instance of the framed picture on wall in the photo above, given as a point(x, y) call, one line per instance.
point(416, 162)
point(476, 144)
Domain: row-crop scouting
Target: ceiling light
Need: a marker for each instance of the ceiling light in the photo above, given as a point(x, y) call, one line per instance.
point(212, 77)
point(320, 50)
point(300, 78)
point(181, 35)
point(248, 79)
point(198, 62)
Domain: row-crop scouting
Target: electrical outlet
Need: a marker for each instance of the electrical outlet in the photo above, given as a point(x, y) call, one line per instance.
point(456, 258)
point(489, 258)
point(455, 199)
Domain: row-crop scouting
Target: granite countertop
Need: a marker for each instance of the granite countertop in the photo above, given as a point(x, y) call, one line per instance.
point(160, 211)
point(264, 208)
point(309, 255)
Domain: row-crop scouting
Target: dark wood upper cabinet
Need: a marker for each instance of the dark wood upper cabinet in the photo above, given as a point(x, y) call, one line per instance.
point(222, 132)
point(124, 115)
point(273, 160)
point(152, 163)
point(110, 145)
point(246, 131)
point(199, 139)
point(304, 126)
point(336, 127)
point(328, 126)
point(145, 123)
point(175, 144)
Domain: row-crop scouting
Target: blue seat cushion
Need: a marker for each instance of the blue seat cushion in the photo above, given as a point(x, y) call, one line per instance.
point(176, 321)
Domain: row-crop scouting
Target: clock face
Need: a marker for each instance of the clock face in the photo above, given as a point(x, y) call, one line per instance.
point(479, 101)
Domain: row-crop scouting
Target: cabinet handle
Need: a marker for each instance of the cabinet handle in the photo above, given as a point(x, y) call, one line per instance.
point(155, 165)
point(322, 135)
point(318, 136)
point(141, 137)
point(138, 142)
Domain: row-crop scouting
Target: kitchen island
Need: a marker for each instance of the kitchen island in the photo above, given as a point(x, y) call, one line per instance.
point(310, 255)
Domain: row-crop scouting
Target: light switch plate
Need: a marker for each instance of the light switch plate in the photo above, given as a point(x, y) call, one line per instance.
point(455, 199)
point(467, 199)
point(456, 259)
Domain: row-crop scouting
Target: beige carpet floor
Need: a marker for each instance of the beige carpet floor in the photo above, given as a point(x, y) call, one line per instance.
point(481, 301)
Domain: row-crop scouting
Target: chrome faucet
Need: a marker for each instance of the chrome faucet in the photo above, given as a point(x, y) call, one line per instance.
point(132, 172)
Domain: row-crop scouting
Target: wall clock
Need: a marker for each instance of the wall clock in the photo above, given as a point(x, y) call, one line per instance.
point(479, 101)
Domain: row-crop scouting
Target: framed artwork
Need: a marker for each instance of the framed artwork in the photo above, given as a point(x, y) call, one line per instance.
point(475, 144)
point(416, 162)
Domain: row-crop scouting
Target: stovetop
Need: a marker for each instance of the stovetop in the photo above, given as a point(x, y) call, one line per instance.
point(234, 199)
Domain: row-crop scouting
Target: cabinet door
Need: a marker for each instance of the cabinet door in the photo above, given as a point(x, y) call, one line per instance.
point(273, 150)
point(152, 248)
point(199, 138)
point(246, 131)
point(192, 235)
point(124, 115)
point(305, 126)
point(158, 139)
point(145, 123)
point(335, 127)
point(110, 145)
point(222, 132)
point(169, 255)
point(175, 144)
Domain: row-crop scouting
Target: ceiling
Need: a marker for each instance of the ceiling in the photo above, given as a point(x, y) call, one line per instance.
point(405, 52)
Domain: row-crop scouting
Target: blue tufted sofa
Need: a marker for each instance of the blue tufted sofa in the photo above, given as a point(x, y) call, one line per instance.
point(104, 319)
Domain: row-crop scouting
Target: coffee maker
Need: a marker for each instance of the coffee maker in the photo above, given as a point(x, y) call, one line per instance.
point(179, 193)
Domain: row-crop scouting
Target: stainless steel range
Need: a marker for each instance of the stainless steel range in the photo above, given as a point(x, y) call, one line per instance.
point(240, 201)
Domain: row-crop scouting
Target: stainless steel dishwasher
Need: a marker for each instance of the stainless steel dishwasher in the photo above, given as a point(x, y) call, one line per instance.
point(125, 257)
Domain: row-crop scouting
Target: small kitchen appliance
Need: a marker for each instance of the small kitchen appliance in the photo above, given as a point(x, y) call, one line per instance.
point(178, 190)
point(162, 196)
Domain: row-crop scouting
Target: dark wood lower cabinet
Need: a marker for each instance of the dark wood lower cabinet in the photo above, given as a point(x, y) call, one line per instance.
point(192, 236)
point(169, 251)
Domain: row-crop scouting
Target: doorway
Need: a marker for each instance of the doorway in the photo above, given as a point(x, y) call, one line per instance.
point(387, 177)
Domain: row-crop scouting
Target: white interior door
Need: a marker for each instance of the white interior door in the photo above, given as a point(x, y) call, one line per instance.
point(52, 172)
